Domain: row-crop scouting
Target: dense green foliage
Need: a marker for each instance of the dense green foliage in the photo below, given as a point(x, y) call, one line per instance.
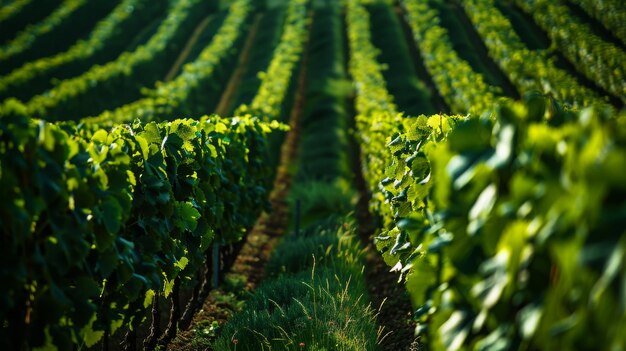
point(376, 114)
point(598, 59)
point(98, 220)
point(266, 39)
point(409, 93)
point(463, 89)
point(56, 32)
point(501, 223)
point(189, 93)
point(528, 70)
point(610, 13)
point(273, 98)
point(108, 39)
point(15, 16)
point(268, 102)
point(511, 227)
point(10, 10)
point(119, 81)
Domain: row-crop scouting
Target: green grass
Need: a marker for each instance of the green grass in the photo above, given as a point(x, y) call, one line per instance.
point(324, 245)
point(319, 299)
point(321, 199)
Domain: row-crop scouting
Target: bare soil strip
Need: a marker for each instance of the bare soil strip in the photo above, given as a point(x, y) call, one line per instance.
point(223, 108)
point(193, 39)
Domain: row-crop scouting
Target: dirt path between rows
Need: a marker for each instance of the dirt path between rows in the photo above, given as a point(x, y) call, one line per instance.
point(223, 107)
point(193, 39)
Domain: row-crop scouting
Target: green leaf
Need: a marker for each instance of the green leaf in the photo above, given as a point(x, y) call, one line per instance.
point(420, 167)
point(188, 216)
point(112, 215)
point(504, 147)
point(108, 262)
point(46, 136)
point(147, 301)
point(409, 224)
point(496, 341)
point(529, 318)
point(182, 263)
point(168, 286)
point(470, 136)
point(482, 207)
point(100, 136)
point(151, 134)
point(402, 243)
point(143, 146)
point(87, 287)
point(614, 264)
point(89, 335)
point(422, 310)
point(134, 286)
point(455, 330)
